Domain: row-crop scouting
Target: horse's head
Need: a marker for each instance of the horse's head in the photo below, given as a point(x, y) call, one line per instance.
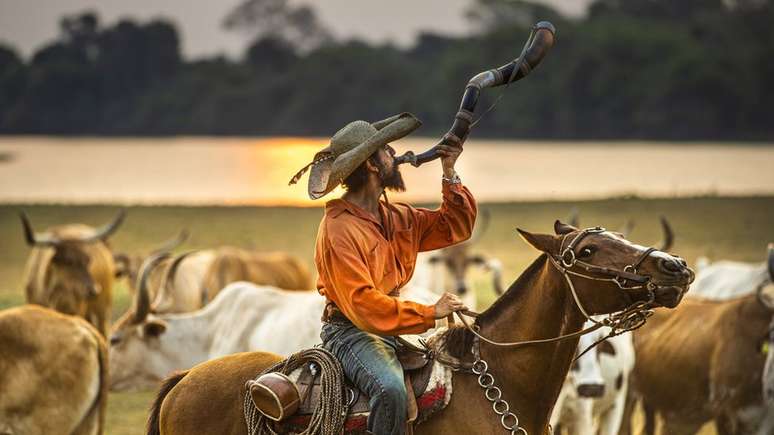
point(608, 273)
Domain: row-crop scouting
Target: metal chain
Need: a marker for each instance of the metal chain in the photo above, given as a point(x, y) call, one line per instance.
point(495, 395)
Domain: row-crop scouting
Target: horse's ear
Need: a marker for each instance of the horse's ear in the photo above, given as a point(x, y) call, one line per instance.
point(562, 228)
point(542, 242)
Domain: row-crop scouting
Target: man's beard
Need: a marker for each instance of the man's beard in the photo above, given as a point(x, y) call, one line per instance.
point(393, 180)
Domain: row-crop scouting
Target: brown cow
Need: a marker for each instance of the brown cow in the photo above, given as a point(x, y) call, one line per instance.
point(53, 374)
point(71, 270)
point(276, 269)
point(703, 361)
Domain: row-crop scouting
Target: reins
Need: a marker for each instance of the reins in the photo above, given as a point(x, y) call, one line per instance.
point(628, 319)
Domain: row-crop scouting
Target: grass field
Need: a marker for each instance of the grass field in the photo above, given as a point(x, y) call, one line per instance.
point(728, 228)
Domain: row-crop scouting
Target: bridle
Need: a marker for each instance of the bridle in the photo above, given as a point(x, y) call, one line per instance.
point(629, 319)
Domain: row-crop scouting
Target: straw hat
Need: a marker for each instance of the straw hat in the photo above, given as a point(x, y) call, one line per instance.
point(349, 148)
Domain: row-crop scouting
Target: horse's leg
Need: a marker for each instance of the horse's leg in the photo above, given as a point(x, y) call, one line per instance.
point(209, 399)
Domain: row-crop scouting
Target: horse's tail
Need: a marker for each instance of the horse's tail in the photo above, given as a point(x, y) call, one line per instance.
point(155, 411)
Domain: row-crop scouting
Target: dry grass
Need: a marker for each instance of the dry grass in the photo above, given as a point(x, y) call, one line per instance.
point(736, 228)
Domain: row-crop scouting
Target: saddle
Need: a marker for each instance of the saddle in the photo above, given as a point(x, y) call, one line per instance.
point(290, 400)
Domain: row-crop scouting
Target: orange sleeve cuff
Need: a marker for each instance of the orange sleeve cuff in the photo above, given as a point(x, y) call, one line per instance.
point(428, 314)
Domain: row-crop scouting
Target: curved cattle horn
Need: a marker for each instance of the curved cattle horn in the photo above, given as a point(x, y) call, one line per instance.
point(481, 227)
point(172, 269)
point(33, 239)
point(142, 303)
point(669, 235)
point(106, 231)
point(764, 299)
point(771, 262)
point(574, 217)
point(171, 244)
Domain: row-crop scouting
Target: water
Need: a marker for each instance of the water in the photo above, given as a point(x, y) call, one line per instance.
point(211, 170)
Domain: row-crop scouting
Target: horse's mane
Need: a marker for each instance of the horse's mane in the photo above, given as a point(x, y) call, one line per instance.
point(458, 340)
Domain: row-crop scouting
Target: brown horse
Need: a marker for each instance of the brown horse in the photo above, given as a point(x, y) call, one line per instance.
point(208, 399)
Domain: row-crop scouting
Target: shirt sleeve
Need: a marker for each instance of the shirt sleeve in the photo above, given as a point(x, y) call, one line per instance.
point(451, 223)
point(367, 307)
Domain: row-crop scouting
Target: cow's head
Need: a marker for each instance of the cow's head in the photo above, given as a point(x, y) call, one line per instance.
point(456, 261)
point(609, 272)
point(137, 358)
point(68, 280)
point(585, 375)
point(766, 296)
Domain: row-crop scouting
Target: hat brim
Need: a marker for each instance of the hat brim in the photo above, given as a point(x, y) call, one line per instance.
point(329, 173)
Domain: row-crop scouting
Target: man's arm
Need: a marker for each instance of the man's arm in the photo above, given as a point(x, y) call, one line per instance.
point(453, 222)
point(350, 286)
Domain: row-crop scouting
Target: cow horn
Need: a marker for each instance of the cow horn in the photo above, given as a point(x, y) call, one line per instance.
point(33, 239)
point(106, 231)
point(765, 298)
point(771, 262)
point(172, 270)
point(171, 244)
point(481, 227)
point(574, 217)
point(142, 302)
point(669, 235)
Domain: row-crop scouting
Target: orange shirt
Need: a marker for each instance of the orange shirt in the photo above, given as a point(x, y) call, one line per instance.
point(361, 271)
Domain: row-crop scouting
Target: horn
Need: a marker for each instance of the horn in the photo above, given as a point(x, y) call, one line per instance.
point(106, 231)
point(169, 276)
point(481, 227)
point(172, 269)
point(669, 235)
point(142, 303)
point(771, 262)
point(573, 218)
point(171, 244)
point(33, 239)
point(764, 300)
point(627, 228)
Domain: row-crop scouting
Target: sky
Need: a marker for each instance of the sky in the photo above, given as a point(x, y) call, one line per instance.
point(27, 24)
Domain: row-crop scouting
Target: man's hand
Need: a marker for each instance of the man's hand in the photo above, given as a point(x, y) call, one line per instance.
point(449, 155)
point(448, 304)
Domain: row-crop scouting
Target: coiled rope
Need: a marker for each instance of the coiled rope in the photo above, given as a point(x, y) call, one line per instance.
point(329, 413)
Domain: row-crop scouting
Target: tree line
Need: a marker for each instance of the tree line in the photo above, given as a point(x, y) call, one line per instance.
point(629, 69)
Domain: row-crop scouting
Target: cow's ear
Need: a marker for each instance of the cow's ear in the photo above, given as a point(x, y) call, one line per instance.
point(154, 327)
point(122, 265)
point(542, 242)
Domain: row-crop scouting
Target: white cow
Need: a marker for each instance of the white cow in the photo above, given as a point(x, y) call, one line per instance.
point(593, 397)
point(242, 317)
point(448, 269)
point(724, 280)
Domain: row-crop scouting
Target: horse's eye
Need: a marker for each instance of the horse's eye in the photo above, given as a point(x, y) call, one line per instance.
point(586, 252)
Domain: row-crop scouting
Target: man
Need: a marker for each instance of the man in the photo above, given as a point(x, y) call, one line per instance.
point(366, 251)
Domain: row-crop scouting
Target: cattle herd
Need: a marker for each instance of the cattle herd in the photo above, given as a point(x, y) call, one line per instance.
point(708, 360)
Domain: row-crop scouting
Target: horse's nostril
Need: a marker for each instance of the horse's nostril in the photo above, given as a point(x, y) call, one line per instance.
point(670, 265)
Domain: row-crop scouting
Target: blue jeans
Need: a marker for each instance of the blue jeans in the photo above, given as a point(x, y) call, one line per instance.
point(369, 361)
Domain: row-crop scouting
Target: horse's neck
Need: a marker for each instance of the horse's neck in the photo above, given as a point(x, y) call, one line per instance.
point(537, 306)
